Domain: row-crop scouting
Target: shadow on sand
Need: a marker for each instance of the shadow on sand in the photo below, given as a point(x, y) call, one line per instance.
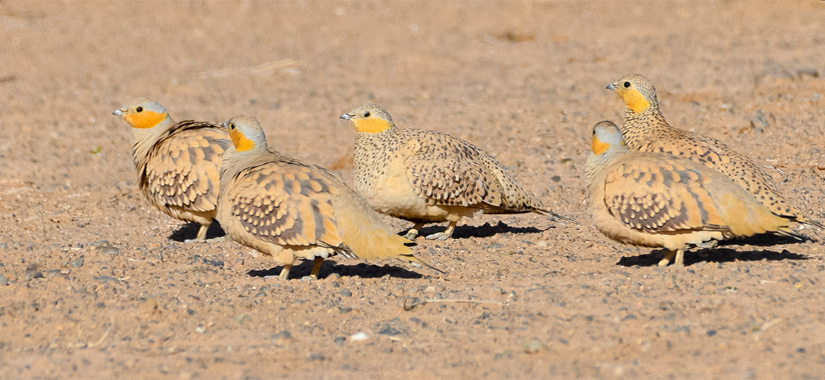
point(329, 267)
point(190, 231)
point(716, 255)
point(486, 230)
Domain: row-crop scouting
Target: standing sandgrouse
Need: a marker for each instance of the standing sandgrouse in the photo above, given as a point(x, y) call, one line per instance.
point(289, 209)
point(659, 200)
point(427, 176)
point(645, 130)
point(178, 164)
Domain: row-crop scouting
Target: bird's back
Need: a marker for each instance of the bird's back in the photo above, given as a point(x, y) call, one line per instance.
point(656, 193)
point(715, 155)
point(445, 170)
point(299, 204)
point(181, 169)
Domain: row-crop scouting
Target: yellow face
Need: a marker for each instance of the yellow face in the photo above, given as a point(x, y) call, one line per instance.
point(239, 140)
point(138, 117)
point(368, 122)
point(631, 96)
point(597, 146)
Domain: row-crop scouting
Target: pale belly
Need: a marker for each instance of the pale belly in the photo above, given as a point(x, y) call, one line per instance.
point(393, 195)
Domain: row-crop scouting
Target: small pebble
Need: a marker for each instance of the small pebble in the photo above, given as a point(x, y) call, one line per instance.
point(76, 263)
point(316, 356)
point(359, 337)
point(281, 335)
point(533, 346)
point(346, 293)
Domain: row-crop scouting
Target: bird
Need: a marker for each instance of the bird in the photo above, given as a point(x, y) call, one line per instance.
point(429, 177)
point(289, 209)
point(178, 164)
point(655, 199)
point(646, 130)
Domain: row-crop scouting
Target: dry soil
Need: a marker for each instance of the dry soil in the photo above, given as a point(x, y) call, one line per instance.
point(97, 284)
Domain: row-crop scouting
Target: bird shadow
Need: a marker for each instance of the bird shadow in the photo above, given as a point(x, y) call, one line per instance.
point(190, 231)
point(717, 255)
point(766, 240)
point(483, 231)
point(331, 266)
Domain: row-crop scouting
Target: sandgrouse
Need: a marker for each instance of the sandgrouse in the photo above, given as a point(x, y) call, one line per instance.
point(645, 129)
point(178, 163)
point(659, 200)
point(427, 176)
point(289, 209)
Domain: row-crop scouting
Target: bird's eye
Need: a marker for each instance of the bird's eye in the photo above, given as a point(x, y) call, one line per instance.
point(139, 109)
point(231, 125)
point(626, 84)
point(367, 114)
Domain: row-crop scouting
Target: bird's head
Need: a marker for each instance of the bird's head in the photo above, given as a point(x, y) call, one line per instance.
point(143, 113)
point(369, 118)
point(605, 135)
point(246, 133)
point(636, 91)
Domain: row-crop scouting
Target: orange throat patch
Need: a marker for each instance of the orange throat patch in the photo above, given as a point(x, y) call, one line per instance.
point(634, 100)
point(240, 141)
point(598, 146)
point(145, 119)
point(371, 125)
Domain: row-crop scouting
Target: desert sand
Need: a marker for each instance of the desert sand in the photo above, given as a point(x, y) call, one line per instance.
point(96, 284)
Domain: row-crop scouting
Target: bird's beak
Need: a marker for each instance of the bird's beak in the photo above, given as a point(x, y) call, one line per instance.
point(224, 125)
point(611, 87)
point(118, 112)
point(346, 116)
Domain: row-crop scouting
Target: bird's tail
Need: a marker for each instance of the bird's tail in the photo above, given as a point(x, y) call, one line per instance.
point(369, 238)
point(786, 231)
point(809, 221)
point(553, 214)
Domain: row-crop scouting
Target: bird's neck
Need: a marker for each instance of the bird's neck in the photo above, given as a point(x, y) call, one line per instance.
point(143, 139)
point(638, 127)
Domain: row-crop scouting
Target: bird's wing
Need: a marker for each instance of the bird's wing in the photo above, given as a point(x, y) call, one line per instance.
point(661, 196)
point(286, 204)
point(449, 171)
point(183, 168)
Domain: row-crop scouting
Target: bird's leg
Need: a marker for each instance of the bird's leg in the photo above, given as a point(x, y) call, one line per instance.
point(680, 258)
point(285, 272)
point(316, 268)
point(412, 233)
point(668, 256)
point(444, 235)
point(201, 238)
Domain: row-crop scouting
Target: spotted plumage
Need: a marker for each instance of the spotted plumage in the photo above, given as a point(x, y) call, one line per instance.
point(646, 130)
point(427, 176)
point(289, 209)
point(660, 200)
point(178, 164)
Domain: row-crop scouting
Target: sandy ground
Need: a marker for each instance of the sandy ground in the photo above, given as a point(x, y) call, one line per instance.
point(97, 284)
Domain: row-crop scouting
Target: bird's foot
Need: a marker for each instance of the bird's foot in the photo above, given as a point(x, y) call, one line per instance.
point(213, 240)
point(440, 236)
point(411, 234)
point(708, 244)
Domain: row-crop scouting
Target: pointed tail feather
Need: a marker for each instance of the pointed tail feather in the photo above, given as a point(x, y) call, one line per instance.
point(786, 231)
point(809, 221)
point(553, 214)
point(418, 261)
